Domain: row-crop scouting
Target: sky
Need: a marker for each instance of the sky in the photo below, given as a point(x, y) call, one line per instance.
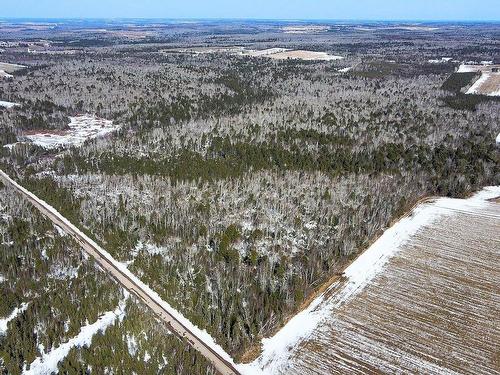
point(438, 10)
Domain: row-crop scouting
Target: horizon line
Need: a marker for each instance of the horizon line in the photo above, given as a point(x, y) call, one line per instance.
point(252, 19)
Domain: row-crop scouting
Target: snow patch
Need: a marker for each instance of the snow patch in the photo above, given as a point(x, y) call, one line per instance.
point(60, 231)
point(311, 225)
point(467, 68)
point(4, 322)
point(81, 128)
point(8, 104)
point(132, 345)
point(442, 60)
point(4, 74)
point(44, 255)
point(63, 273)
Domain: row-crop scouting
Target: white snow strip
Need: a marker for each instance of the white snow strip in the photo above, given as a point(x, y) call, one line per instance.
point(498, 139)
point(202, 335)
point(2, 278)
point(12, 316)
point(345, 70)
point(277, 349)
point(47, 363)
point(479, 82)
point(8, 104)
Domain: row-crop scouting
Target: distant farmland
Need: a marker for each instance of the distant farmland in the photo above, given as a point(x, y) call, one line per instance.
point(488, 82)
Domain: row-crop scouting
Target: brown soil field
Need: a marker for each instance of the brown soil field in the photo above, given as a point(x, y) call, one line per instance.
point(435, 309)
point(491, 85)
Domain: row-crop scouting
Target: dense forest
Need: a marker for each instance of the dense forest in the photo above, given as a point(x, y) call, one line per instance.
point(235, 187)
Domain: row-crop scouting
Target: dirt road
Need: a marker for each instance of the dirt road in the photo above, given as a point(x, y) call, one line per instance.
point(174, 320)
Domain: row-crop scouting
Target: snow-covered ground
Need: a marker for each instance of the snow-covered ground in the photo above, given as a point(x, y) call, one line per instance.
point(7, 104)
point(132, 345)
point(4, 74)
point(272, 53)
point(442, 60)
point(357, 276)
point(12, 316)
point(304, 55)
point(263, 52)
point(47, 363)
point(468, 68)
point(81, 128)
point(284, 53)
point(63, 273)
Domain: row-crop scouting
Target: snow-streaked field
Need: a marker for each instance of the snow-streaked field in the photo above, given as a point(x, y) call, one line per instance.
point(263, 52)
point(424, 298)
point(7, 104)
point(7, 68)
point(304, 55)
point(10, 68)
point(272, 53)
point(81, 128)
point(488, 84)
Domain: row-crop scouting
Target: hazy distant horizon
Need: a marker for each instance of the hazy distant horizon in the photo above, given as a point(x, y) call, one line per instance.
point(187, 19)
point(272, 10)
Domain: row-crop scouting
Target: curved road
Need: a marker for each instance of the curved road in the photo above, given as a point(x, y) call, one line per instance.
point(219, 359)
